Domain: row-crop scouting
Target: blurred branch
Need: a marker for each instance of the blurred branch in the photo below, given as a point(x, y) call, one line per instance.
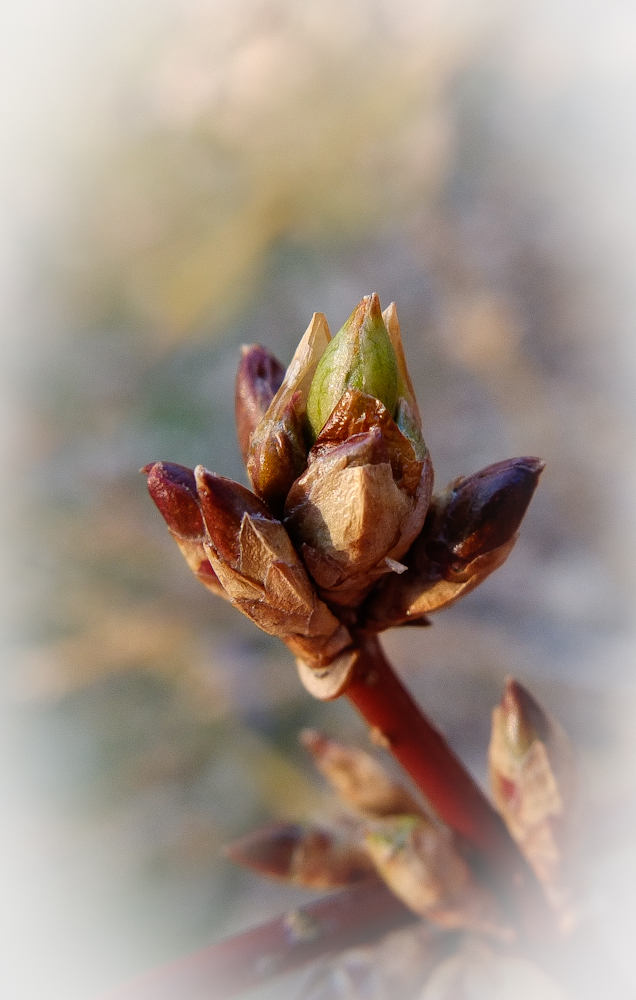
point(351, 917)
point(384, 702)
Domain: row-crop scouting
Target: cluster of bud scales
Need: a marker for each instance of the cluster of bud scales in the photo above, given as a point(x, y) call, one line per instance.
point(341, 534)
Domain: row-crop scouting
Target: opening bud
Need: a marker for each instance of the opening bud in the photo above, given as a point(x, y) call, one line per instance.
point(360, 356)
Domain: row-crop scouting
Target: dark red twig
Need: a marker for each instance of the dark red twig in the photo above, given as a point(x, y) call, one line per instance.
point(353, 916)
point(384, 702)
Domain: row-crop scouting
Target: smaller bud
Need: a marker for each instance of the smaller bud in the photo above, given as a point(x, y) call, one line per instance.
point(470, 530)
point(253, 557)
point(258, 379)
point(524, 719)
point(358, 779)
point(361, 357)
point(173, 489)
point(421, 865)
point(484, 510)
point(308, 856)
point(277, 452)
point(224, 504)
point(533, 780)
point(277, 458)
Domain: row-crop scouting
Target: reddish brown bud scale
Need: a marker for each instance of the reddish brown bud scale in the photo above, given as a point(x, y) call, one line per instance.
point(526, 720)
point(357, 413)
point(308, 856)
point(486, 509)
point(361, 502)
point(276, 459)
point(470, 530)
point(223, 504)
point(173, 489)
point(259, 377)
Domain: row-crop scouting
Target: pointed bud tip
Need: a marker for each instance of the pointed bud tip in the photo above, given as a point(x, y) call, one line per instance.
point(370, 307)
point(258, 379)
point(223, 504)
point(486, 509)
point(526, 720)
point(173, 489)
point(360, 356)
point(528, 464)
point(268, 851)
point(227, 494)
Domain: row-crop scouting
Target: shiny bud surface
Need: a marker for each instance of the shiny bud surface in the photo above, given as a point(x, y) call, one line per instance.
point(361, 357)
point(470, 530)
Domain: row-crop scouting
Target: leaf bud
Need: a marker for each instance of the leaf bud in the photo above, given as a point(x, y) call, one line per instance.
point(484, 510)
point(533, 779)
point(277, 452)
point(358, 779)
point(258, 379)
point(173, 489)
point(308, 856)
point(254, 559)
point(279, 457)
point(470, 530)
point(421, 864)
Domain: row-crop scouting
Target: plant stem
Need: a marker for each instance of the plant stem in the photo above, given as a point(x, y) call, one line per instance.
point(384, 702)
point(350, 917)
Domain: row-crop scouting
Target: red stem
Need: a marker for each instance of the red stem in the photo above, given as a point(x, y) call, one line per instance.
point(381, 698)
point(350, 917)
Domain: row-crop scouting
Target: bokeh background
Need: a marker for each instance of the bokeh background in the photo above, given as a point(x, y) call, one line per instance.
point(178, 178)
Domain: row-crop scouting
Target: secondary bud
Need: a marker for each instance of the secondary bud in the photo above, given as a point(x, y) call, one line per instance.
point(470, 530)
point(173, 489)
point(308, 856)
point(484, 510)
point(533, 781)
point(277, 452)
point(360, 356)
point(277, 458)
point(421, 865)
point(255, 561)
point(258, 379)
point(357, 777)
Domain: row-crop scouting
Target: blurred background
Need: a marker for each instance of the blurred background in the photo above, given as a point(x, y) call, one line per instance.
point(178, 178)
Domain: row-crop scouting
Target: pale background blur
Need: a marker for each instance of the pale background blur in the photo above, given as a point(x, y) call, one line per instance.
point(177, 178)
